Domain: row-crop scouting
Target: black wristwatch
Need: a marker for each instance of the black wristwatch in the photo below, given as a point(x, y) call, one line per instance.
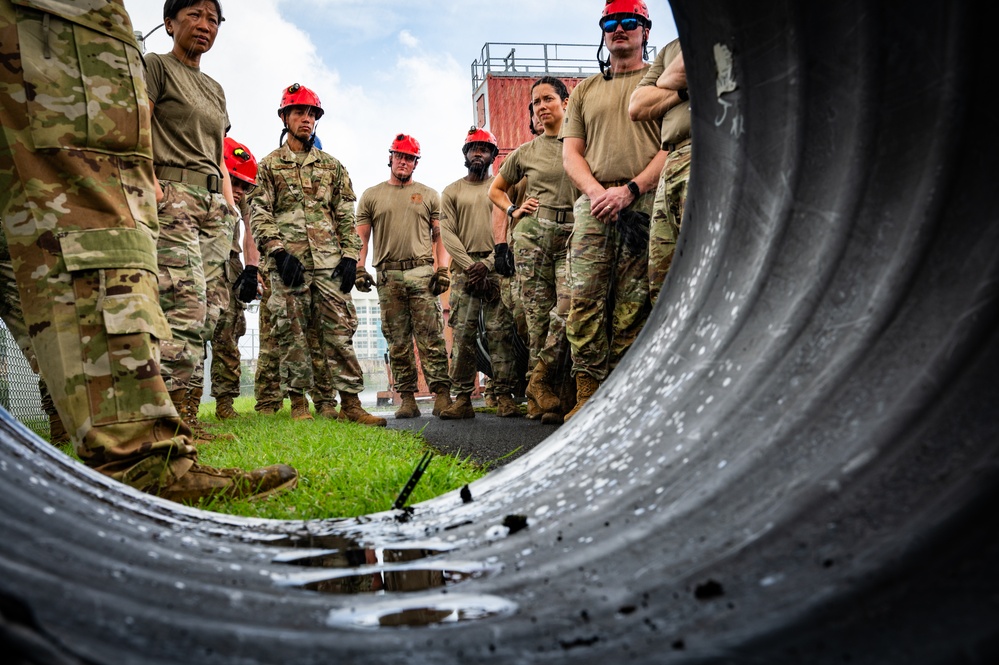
point(683, 94)
point(512, 209)
point(633, 188)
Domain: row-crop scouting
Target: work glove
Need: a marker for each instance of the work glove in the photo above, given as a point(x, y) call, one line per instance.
point(477, 274)
point(290, 269)
point(246, 284)
point(440, 281)
point(363, 281)
point(504, 260)
point(486, 290)
point(633, 229)
point(346, 270)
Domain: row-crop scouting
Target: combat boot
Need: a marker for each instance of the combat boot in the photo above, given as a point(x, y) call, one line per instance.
point(460, 410)
point(203, 482)
point(351, 409)
point(327, 410)
point(267, 408)
point(539, 390)
point(442, 400)
point(534, 411)
point(586, 385)
point(198, 430)
point(299, 407)
point(224, 409)
point(506, 407)
point(409, 409)
point(57, 431)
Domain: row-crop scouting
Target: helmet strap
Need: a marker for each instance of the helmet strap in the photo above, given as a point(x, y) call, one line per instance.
point(604, 64)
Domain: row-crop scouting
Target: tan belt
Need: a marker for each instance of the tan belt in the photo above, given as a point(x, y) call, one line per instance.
point(671, 147)
point(404, 265)
point(560, 215)
point(211, 182)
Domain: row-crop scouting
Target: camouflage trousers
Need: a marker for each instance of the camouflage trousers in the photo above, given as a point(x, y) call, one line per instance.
point(498, 324)
point(610, 291)
point(540, 249)
point(268, 391)
point(76, 199)
point(317, 305)
point(226, 367)
point(410, 310)
point(196, 229)
point(667, 213)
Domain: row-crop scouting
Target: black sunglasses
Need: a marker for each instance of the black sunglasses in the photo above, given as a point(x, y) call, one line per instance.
point(627, 24)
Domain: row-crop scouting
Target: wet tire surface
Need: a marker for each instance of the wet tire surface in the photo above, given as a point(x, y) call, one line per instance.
point(797, 462)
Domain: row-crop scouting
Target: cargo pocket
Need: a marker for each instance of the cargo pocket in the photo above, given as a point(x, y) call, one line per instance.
point(83, 88)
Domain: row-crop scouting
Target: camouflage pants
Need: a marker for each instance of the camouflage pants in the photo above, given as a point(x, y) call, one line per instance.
point(226, 367)
point(667, 213)
point(76, 198)
point(610, 291)
point(319, 305)
point(498, 328)
point(541, 248)
point(196, 229)
point(268, 390)
point(410, 310)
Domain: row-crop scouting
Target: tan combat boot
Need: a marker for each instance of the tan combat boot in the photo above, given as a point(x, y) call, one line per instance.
point(409, 409)
point(506, 407)
point(442, 400)
point(539, 390)
point(268, 408)
point(328, 410)
point(198, 429)
point(586, 385)
point(460, 410)
point(224, 409)
point(57, 431)
point(352, 410)
point(299, 407)
point(203, 482)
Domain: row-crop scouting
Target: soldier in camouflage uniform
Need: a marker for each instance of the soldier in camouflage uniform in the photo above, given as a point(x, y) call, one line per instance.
point(662, 94)
point(242, 282)
point(541, 239)
point(302, 218)
point(197, 212)
point(412, 272)
point(615, 163)
point(467, 231)
point(82, 240)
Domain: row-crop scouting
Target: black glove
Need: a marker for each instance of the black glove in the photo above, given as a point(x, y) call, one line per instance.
point(246, 284)
point(633, 228)
point(440, 281)
point(290, 269)
point(504, 260)
point(485, 289)
point(363, 281)
point(346, 270)
point(477, 274)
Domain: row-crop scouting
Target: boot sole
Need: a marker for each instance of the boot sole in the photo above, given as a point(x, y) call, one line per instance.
point(284, 487)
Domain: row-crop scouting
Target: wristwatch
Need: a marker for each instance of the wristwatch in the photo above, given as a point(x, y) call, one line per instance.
point(683, 94)
point(633, 188)
point(511, 210)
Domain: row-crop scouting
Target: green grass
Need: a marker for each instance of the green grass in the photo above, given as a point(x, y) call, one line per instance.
point(345, 469)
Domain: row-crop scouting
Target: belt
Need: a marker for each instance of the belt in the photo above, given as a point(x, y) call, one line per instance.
point(670, 147)
point(562, 216)
point(210, 182)
point(404, 265)
point(614, 183)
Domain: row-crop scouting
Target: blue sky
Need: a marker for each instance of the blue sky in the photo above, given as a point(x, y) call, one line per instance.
point(380, 67)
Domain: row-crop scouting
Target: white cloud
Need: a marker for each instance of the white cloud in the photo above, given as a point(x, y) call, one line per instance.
point(408, 39)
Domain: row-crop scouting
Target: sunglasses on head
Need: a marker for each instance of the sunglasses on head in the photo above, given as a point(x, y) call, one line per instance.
point(627, 24)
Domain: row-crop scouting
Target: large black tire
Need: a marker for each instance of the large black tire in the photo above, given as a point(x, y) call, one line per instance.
point(797, 462)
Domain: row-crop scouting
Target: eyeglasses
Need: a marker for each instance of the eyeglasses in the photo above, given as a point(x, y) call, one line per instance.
point(405, 157)
point(627, 24)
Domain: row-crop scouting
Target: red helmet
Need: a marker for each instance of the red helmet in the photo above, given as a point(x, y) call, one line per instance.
point(636, 7)
point(239, 161)
point(405, 144)
point(477, 135)
point(298, 95)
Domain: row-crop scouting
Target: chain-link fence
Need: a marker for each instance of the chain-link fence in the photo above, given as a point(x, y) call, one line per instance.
point(19, 386)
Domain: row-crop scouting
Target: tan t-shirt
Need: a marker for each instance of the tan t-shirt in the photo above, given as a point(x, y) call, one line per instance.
point(401, 220)
point(189, 115)
point(676, 122)
point(541, 161)
point(617, 149)
point(466, 220)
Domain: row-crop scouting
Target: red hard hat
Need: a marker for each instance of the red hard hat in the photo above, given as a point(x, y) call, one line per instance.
point(239, 161)
point(636, 7)
point(405, 144)
point(478, 135)
point(299, 95)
